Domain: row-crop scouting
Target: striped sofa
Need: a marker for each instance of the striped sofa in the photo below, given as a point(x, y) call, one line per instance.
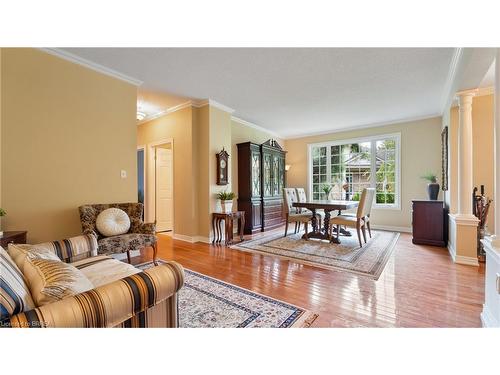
point(123, 296)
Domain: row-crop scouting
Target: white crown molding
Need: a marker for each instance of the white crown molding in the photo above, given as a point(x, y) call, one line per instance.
point(164, 112)
point(367, 126)
point(91, 65)
point(213, 103)
point(254, 126)
point(447, 96)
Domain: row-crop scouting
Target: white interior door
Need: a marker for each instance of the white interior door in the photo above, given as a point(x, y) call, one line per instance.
point(164, 190)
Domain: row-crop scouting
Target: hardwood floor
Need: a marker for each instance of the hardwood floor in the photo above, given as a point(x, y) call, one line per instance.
point(419, 287)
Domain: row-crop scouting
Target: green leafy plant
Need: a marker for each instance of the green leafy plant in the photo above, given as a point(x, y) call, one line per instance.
point(356, 197)
point(429, 176)
point(326, 189)
point(2, 212)
point(225, 196)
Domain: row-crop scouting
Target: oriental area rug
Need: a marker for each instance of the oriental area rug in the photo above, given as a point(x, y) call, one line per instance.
point(205, 302)
point(368, 260)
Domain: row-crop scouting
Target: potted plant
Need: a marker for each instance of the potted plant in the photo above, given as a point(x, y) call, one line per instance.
point(327, 189)
point(226, 200)
point(2, 214)
point(432, 186)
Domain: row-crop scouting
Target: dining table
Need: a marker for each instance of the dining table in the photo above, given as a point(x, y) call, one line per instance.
point(327, 206)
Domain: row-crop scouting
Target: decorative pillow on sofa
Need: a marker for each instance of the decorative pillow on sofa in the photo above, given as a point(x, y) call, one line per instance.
point(51, 280)
point(112, 222)
point(68, 250)
point(14, 292)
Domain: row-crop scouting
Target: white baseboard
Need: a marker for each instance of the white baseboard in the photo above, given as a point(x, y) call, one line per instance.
point(488, 320)
point(191, 239)
point(468, 261)
point(392, 228)
point(460, 259)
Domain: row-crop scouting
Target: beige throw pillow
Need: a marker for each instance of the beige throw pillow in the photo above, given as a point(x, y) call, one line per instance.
point(112, 222)
point(51, 280)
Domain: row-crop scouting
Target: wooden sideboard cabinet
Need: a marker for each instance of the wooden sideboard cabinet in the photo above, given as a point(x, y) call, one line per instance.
point(429, 222)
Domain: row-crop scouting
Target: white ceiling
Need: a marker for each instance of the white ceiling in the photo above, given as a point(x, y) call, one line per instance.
point(294, 91)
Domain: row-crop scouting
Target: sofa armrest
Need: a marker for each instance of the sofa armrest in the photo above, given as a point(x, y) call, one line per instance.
point(90, 231)
point(112, 304)
point(147, 228)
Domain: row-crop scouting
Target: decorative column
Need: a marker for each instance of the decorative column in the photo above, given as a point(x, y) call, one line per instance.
point(465, 160)
point(463, 225)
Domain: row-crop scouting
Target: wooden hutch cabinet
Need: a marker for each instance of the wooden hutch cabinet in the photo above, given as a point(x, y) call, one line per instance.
point(261, 179)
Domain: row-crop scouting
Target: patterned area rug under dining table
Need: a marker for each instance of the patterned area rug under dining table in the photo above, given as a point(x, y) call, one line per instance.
point(368, 260)
point(206, 302)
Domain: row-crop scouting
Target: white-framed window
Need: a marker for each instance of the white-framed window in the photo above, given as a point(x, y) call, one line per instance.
point(349, 166)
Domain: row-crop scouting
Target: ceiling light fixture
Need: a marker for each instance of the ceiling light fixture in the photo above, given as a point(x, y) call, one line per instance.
point(140, 116)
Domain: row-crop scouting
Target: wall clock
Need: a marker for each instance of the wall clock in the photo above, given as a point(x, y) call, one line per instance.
point(222, 167)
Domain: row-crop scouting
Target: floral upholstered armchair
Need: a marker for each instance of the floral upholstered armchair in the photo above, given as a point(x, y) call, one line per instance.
point(139, 236)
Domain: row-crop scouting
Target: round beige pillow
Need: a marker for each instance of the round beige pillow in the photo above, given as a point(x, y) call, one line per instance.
point(112, 222)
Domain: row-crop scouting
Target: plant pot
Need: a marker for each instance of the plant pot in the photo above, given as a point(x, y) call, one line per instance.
point(226, 206)
point(433, 191)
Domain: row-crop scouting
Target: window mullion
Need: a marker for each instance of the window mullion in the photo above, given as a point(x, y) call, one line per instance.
point(373, 165)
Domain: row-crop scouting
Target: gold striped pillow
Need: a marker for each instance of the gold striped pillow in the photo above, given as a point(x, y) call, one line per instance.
point(51, 280)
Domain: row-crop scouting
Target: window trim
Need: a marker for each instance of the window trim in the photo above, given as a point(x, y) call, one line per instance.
point(396, 136)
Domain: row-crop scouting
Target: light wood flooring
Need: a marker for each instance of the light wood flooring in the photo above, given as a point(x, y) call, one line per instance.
point(419, 287)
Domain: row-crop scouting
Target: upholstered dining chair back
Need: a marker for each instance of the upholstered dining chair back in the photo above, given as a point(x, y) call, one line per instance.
point(365, 203)
point(290, 197)
point(301, 196)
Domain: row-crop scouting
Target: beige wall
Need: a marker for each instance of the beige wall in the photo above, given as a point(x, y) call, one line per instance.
point(242, 133)
point(420, 152)
point(67, 131)
point(483, 148)
point(175, 126)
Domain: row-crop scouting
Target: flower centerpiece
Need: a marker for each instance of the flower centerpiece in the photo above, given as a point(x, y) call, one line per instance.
point(226, 200)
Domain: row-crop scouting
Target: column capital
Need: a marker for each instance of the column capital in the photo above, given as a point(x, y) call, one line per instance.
point(467, 93)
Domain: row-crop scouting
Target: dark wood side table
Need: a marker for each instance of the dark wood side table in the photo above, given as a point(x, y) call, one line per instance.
point(228, 218)
point(429, 222)
point(13, 237)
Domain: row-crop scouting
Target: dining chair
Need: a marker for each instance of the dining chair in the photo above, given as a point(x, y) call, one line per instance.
point(292, 215)
point(302, 197)
point(360, 221)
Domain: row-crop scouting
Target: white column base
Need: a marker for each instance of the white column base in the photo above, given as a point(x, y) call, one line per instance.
point(462, 244)
point(490, 317)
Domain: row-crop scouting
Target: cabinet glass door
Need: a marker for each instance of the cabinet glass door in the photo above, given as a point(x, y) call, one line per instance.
point(266, 183)
point(276, 175)
point(255, 174)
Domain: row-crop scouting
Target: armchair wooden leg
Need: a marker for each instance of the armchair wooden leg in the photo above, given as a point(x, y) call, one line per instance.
point(306, 228)
point(128, 256)
point(369, 229)
point(286, 227)
point(155, 253)
point(295, 231)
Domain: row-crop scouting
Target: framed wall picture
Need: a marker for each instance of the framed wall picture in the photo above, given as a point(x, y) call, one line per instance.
point(222, 167)
point(444, 159)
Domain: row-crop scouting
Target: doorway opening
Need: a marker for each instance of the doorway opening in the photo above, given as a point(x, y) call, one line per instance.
point(164, 187)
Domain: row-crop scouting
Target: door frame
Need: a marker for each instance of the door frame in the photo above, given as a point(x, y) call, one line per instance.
point(144, 177)
point(151, 157)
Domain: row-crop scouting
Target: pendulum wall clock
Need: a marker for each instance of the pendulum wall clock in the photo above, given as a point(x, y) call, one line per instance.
point(222, 167)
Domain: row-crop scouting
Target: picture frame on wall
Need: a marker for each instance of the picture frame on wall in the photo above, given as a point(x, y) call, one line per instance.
point(444, 159)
